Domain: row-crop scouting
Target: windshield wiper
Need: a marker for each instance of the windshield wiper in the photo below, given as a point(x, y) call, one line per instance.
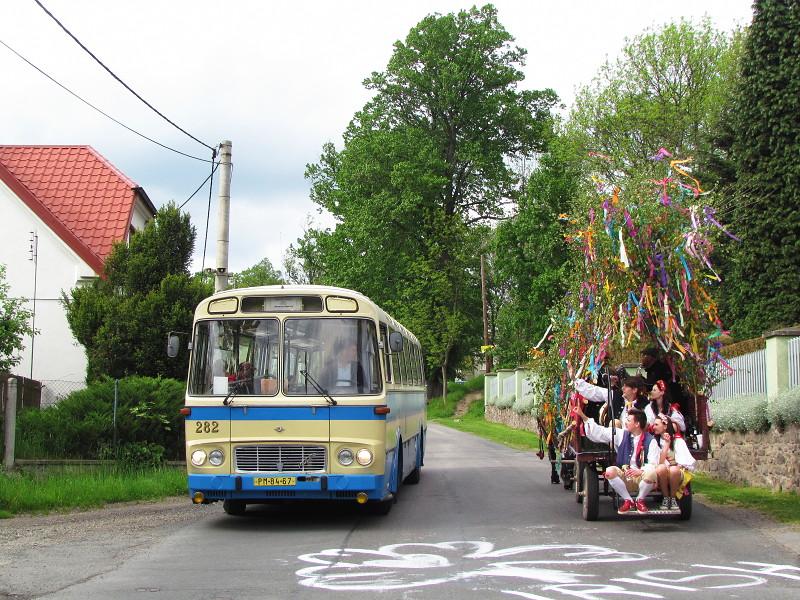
point(319, 388)
point(236, 386)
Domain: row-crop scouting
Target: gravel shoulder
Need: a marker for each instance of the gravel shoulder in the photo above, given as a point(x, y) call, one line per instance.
point(41, 554)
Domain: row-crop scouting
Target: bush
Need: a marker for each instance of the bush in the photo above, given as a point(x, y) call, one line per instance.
point(141, 455)
point(784, 409)
point(505, 401)
point(81, 425)
point(741, 413)
point(523, 405)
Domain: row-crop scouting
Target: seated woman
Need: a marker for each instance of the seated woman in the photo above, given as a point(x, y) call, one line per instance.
point(675, 462)
point(660, 403)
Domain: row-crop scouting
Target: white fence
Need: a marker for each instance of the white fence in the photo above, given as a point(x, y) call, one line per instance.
point(794, 362)
point(749, 377)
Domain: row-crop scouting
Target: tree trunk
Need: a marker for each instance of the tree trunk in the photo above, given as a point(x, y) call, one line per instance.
point(444, 382)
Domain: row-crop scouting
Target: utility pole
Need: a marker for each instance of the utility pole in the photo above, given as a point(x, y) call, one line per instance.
point(489, 362)
point(35, 258)
point(223, 217)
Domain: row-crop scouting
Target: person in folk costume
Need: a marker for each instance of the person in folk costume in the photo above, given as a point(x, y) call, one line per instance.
point(660, 404)
point(657, 369)
point(632, 394)
point(637, 458)
point(675, 461)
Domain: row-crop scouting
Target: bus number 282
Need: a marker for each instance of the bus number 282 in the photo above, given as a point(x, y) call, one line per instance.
point(206, 427)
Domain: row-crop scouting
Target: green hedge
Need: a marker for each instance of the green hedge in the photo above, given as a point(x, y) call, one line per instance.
point(755, 413)
point(81, 425)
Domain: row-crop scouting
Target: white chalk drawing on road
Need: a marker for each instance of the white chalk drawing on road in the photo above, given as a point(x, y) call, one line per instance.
point(555, 570)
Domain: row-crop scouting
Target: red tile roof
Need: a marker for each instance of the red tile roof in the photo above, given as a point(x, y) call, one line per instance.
point(79, 194)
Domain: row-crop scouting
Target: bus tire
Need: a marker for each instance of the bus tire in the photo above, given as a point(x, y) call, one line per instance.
point(685, 505)
point(380, 507)
point(591, 492)
point(234, 508)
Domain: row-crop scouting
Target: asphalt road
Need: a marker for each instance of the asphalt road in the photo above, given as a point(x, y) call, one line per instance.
point(484, 522)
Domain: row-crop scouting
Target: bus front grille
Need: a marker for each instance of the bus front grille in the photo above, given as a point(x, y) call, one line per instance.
point(280, 459)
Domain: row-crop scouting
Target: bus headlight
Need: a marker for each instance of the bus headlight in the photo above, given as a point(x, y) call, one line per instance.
point(364, 457)
point(216, 457)
point(198, 457)
point(345, 457)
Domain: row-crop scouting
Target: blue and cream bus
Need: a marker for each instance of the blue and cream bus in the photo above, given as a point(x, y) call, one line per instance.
point(301, 393)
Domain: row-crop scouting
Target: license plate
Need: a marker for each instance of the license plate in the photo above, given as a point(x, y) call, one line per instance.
point(274, 481)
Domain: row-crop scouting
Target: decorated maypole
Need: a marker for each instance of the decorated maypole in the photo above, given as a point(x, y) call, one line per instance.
point(644, 247)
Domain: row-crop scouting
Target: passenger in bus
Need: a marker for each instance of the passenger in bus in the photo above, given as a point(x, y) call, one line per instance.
point(675, 461)
point(344, 371)
point(660, 404)
point(244, 378)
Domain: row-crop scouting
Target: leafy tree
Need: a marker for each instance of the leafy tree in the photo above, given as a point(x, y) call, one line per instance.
point(424, 164)
point(261, 273)
point(531, 258)
point(666, 90)
point(763, 287)
point(14, 325)
point(122, 319)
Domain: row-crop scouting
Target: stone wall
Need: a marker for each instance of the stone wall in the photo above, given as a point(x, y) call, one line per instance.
point(770, 459)
point(508, 417)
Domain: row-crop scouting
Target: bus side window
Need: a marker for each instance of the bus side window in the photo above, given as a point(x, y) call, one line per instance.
point(387, 359)
point(396, 374)
point(407, 375)
point(415, 363)
point(403, 357)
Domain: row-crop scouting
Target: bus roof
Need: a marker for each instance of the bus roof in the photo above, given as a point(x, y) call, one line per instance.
point(302, 290)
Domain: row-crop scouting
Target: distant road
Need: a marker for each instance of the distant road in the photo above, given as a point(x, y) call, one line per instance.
point(484, 522)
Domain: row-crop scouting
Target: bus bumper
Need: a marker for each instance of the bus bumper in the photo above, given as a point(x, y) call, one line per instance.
point(307, 487)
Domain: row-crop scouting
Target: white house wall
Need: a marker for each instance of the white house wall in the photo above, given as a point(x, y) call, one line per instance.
point(58, 360)
point(141, 215)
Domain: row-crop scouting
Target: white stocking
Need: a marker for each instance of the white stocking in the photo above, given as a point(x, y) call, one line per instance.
point(645, 487)
point(619, 487)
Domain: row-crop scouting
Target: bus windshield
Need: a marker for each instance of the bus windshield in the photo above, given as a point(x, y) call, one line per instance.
point(341, 355)
point(239, 355)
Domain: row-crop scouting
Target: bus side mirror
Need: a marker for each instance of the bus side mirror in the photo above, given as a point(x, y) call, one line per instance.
point(173, 345)
point(396, 341)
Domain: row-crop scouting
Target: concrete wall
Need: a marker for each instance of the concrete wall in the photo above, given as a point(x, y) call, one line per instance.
point(760, 459)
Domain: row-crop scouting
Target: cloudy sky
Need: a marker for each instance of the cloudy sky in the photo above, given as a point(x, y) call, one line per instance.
point(277, 78)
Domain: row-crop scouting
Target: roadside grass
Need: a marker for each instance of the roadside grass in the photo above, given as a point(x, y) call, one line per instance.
point(781, 506)
point(58, 488)
point(473, 421)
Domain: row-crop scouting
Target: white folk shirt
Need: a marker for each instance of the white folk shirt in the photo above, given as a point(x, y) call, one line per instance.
point(683, 456)
point(598, 433)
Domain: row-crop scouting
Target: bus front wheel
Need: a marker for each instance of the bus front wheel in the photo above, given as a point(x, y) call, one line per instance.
point(235, 508)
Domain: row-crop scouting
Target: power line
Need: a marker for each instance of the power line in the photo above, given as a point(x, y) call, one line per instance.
point(125, 85)
point(105, 114)
point(200, 186)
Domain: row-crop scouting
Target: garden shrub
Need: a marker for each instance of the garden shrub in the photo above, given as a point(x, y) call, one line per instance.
point(741, 413)
point(81, 425)
point(784, 409)
point(523, 405)
point(505, 401)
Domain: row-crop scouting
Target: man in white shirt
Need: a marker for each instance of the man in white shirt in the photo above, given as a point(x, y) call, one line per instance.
point(637, 458)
